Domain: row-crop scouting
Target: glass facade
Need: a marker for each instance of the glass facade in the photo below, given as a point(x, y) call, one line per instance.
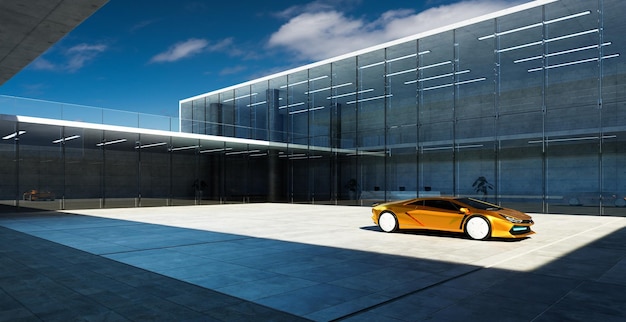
point(526, 109)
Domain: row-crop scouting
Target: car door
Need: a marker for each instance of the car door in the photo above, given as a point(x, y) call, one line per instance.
point(438, 214)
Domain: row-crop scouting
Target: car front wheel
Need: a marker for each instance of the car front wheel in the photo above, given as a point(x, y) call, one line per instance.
point(478, 228)
point(387, 222)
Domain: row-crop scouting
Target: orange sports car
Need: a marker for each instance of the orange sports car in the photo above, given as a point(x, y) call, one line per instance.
point(478, 219)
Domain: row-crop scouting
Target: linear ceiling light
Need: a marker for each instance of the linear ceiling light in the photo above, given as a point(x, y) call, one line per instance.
point(243, 152)
point(291, 105)
point(437, 77)
point(184, 148)
point(394, 59)
point(584, 138)
point(307, 110)
point(66, 139)
point(561, 53)
point(12, 135)
point(327, 88)
point(572, 63)
point(257, 103)
point(145, 146)
point(239, 97)
point(457, 83)
point(216, 150)
point(369, 99)
point(304, 81)
point(111, 142)
point(539, 24)
point(541, 42)
point(351, 93)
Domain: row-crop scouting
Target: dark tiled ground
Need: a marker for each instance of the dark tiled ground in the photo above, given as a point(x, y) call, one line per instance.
point(42, 280)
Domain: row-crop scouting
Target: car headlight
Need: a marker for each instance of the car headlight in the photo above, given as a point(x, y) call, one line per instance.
point(512, 219)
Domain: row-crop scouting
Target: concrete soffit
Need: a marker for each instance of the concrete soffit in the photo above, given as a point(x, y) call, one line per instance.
point(29, 28)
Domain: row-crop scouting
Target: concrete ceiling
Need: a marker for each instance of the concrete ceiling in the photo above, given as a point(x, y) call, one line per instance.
point(29, 27)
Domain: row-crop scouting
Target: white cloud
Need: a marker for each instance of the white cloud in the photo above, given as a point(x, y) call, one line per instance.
point(74, 58)
point(79, 55)
point(327, 33)
point(181, 50)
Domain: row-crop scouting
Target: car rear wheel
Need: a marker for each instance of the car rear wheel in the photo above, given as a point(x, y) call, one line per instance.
point(387, 222)
point(477, 228)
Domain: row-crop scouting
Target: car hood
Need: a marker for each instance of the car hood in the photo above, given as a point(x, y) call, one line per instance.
point(514, 214)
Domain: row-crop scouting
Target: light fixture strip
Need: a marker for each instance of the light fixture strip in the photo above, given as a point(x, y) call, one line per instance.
point(582, 33)
point(457, 83)
point(12, 135)
point(111, 142)
point(151, 145)
point(304, 81)
point(369, 99)
point(584, 138)
point(291, 105)
point(582, 61)
point(215, 150)
point(402, 72)
point(561, 53)
point(307, 110)
point(243, 152)
point(184, 148)
point(351, 93)
point(66, 139)
point(327, 88)
point(436, 77)
point(239, 97)
point(539, 24)
point(256, 104)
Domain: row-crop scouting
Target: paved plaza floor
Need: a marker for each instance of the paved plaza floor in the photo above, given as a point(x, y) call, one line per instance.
point(290, 262)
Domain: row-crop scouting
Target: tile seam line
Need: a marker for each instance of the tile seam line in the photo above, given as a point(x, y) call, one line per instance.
point(170, 247)
point(391, 300)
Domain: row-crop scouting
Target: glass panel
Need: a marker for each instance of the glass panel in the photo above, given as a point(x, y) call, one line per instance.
point(520, 161)
point(474, 74)
point(343, 91)
point(40, 167)
point(186, 117)
point(84, 169)
point(320, 107)
point(436, 78)
point(436, 158)
point(277, 117)
point(401, 136)
point(227, 113)
point(213, 116)
point(198, 112)
point(296, 106)
point(573, 164)
point(475, 155)
point(519, 50)
point(258, 111)
point(154, 170)
point(121, 180)
point(185, 175)
point(242, 101)
point(9, 192)
point(614, 159)
point(613, 51)
point(572, 55)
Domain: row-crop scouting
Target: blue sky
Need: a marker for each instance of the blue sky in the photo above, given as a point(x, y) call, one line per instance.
point(145, 55)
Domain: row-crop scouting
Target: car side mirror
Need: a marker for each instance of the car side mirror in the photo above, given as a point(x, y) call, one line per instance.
point(465, 211)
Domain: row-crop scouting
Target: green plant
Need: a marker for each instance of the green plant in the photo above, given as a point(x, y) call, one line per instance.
point(481, 185)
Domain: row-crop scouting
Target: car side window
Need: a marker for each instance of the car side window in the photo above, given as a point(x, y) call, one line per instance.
point(441, 204)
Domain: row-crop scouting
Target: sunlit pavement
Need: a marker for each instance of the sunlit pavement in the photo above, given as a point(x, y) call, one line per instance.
point(279, 261)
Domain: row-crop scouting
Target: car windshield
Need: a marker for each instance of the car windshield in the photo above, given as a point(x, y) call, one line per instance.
point(475, 203)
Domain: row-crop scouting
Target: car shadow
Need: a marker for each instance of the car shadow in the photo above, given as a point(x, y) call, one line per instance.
point(439, 233)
